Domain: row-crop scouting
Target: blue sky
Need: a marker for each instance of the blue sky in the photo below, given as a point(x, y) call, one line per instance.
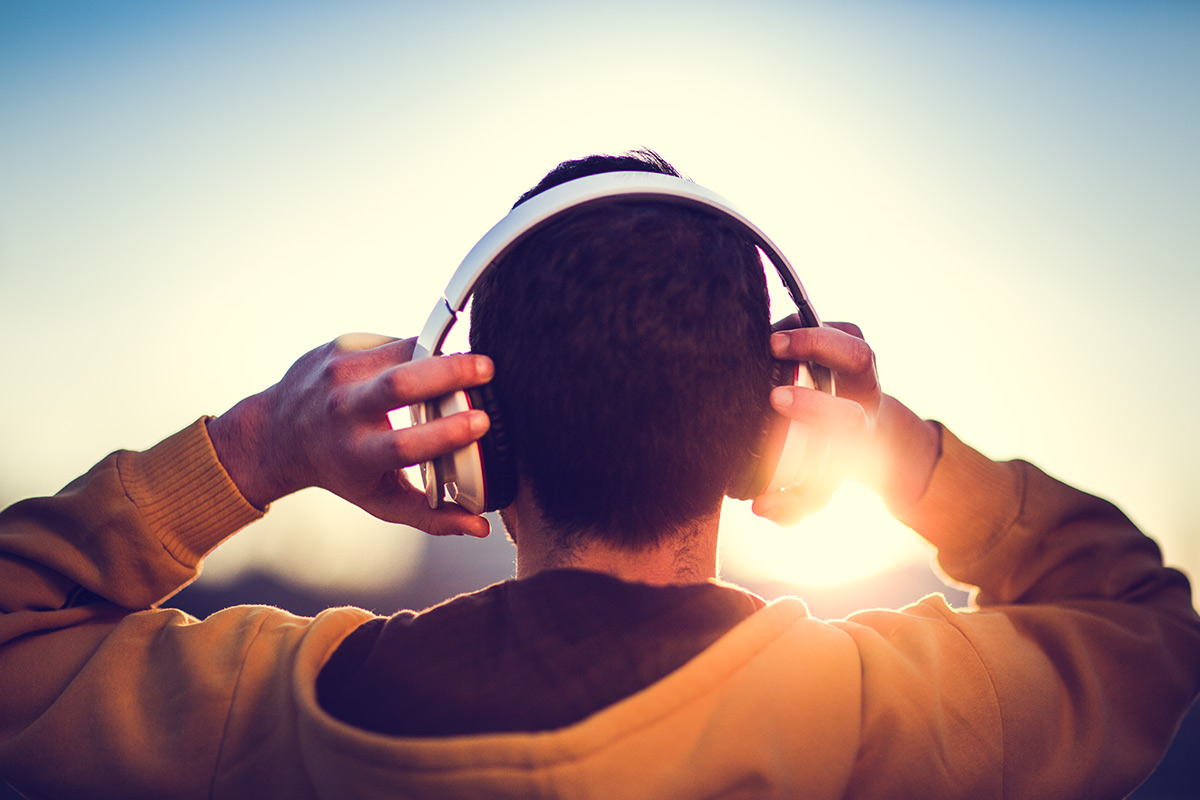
point(1003, 195)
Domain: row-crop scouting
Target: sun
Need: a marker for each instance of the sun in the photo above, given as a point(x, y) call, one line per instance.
point(852, 538)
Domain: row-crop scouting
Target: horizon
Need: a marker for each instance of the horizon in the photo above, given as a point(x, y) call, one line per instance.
point(1002, 197)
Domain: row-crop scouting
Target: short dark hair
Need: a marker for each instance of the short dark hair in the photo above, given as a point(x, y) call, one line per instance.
point(632, 367)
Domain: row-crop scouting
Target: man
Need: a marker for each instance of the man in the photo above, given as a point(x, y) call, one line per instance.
point(631, 359)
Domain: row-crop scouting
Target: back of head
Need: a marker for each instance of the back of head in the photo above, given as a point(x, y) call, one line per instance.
point(632, 368)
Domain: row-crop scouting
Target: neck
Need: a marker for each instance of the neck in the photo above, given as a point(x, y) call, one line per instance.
point(688, 555)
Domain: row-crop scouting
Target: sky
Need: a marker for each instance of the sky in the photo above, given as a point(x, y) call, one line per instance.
point(1002, 195)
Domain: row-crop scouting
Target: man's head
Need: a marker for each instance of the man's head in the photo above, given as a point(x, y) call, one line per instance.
point(632, 371)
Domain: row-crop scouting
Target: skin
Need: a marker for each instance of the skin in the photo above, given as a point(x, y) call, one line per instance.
point(685, 556)
point(875, 438)
point(325, 424)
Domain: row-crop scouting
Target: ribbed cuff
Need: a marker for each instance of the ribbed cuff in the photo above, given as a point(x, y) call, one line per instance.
point(185, 495)
point(970, 503)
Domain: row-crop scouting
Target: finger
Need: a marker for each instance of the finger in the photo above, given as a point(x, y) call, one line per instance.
point(415, 381)
point(788, 508)
point(454, 520)
point(793, 322)
point(847, 327)
point(840, 416)
point(849, 356)
point(836, 349)
point(792, 504)
point(787, 323)
point(383, 450)
point(449, 519)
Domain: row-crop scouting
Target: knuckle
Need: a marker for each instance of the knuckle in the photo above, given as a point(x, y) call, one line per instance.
point(399, 449)
point(856, 418)
point(860, 356)
point(400, 383)
point(458, 428)
point(465, 369)
point(337, 370)
point(852, 329)
point(335, 404)
point(455, 370)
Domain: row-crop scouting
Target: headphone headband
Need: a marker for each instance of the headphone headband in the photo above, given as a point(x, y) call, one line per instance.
point(572, 195)
point(787, 458)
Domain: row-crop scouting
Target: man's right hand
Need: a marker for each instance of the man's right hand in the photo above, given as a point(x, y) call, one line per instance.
point(325, 424)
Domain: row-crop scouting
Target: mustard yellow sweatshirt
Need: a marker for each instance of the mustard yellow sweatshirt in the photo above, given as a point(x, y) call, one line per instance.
point(1067, 680)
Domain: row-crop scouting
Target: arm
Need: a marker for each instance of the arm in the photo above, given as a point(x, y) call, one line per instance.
point(135, 528)
point(1069, 677)
point(94, 697)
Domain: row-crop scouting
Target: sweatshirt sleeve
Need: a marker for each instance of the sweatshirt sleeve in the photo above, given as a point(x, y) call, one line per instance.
point(102, 694)
point(131, 531)
point(1069, 674)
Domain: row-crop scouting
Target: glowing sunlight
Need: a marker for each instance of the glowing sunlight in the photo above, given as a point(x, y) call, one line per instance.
point(852, 538)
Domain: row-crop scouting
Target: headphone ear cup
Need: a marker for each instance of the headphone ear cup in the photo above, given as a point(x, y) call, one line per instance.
point(499, 464)
point(432, 471)
point(460, 472)
point(789, 454)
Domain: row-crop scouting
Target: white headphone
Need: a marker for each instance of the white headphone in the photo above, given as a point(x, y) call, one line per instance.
point(482, 476)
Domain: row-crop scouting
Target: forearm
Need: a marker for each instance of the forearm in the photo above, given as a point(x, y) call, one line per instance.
point(1020, 536)
point(903, 455)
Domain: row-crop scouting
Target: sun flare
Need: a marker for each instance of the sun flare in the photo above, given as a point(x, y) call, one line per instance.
point(852, 538)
